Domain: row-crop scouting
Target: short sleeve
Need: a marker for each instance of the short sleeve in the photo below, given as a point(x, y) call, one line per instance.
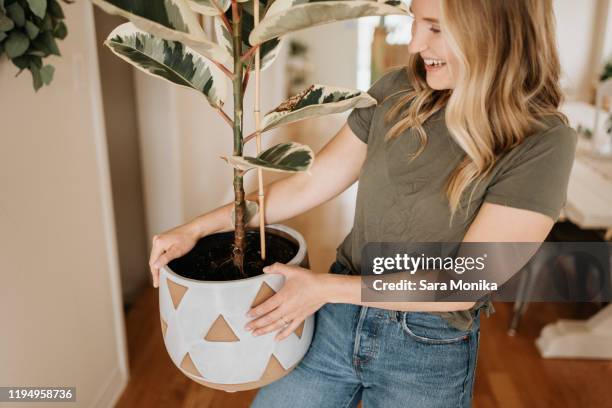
point(359, 119)
point(536, 179)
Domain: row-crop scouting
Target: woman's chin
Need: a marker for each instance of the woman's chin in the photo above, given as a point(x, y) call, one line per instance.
point(435, 82)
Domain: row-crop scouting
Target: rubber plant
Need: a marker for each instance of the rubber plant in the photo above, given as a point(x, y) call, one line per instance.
point(167, 39)
point(28, 33)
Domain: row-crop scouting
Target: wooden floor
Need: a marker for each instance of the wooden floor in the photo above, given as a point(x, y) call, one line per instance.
point(510, 373)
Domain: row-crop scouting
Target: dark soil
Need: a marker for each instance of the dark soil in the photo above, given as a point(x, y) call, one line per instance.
point(210, 259)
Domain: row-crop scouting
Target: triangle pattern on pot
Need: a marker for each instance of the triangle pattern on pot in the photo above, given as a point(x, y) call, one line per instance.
point(176, 292)
point(221, 331)
point(273, 370)
point(265, 292)
point(164, 327)
point(299, 330)
point(188, 366)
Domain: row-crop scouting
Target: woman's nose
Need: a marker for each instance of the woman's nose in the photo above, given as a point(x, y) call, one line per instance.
point(416, 45)
point(418, 41)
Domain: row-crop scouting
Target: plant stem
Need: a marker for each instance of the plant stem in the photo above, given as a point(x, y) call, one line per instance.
point(239, 201)
point(245, 81)
point(225, 117)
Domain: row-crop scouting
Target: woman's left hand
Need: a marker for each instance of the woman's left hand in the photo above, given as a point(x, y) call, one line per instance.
point(300, 296)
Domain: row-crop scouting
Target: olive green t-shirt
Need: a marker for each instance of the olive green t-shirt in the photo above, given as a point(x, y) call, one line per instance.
point(402, 201)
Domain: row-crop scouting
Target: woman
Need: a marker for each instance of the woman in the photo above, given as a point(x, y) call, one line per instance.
point(465, 144)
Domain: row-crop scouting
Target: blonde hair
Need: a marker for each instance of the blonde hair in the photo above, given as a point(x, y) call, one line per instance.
point(507, 82)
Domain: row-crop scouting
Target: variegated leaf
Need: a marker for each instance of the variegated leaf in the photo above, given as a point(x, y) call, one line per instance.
point(207, 7)
point(316, 100)
point(169, 60)
point(286, 16)
point(169, 19)
point(251, 210)
point(268, 51)
point(284, 157)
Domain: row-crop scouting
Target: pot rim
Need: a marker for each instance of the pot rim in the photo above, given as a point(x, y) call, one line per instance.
point(299, 256)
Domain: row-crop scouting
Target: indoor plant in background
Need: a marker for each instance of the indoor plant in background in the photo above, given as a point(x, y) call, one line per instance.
point(204, 295)
point(28, 30)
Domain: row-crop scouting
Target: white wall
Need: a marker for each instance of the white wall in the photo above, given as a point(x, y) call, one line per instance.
point(60, 301)
point(332, 48)
point(582, 43)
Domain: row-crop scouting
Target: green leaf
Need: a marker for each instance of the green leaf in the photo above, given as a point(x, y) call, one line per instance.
point(286, 16)
point(16, 13)
point(55, 9)
point(36, 77)
point(46, 43)
point(31, 29)
point(38, 7)
point(2, 35)
point(47, 23)
point(22, 62)
point(60, 31)
point(284, 157)
point(46, 73)
point(171, 20)
point(316, 100)
point(16, 44)
point(36, 61)
point(169, 60)
point(6, 24)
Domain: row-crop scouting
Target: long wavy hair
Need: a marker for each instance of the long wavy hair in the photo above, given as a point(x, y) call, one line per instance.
point(508, 80)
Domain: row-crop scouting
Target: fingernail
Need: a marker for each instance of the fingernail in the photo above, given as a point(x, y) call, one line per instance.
point(266, 269)
point(255, 333)
point(247, 327)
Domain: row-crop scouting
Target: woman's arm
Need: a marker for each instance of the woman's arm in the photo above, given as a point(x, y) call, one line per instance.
point(305, 292)
point(336, 167)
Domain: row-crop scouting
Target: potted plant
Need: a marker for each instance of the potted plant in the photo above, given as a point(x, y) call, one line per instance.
point(28, 33)
point(204, 295)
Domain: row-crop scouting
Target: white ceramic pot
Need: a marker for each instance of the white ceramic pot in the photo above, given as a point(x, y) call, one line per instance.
point(203, 327)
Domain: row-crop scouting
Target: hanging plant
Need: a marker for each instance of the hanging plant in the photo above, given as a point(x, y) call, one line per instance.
point(28, 33)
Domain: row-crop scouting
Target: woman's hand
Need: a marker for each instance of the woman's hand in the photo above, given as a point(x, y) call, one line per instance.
point(300, 296)
point(169, 245)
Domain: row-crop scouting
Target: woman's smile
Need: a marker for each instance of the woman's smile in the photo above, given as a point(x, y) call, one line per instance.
point(433, 64)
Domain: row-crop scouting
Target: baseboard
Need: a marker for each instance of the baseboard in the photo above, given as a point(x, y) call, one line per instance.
point(111, 390)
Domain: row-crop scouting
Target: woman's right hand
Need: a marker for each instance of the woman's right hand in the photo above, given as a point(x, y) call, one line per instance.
point(169, 245)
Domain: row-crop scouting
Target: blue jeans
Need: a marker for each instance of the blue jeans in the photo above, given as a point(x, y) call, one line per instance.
point(384, 358)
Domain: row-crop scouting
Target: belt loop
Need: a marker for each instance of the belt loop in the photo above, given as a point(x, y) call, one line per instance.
point(395, 315)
